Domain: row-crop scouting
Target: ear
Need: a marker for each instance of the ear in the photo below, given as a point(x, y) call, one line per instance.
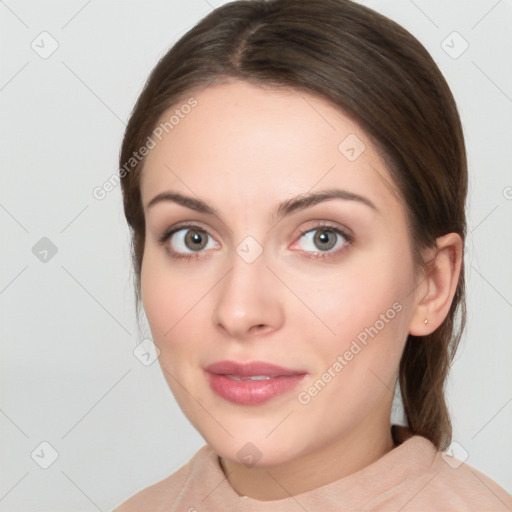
point(438, 286)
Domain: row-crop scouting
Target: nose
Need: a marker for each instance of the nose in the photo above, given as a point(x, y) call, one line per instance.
point(249, 301)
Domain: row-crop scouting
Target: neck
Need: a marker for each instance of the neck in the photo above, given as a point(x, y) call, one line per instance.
point(348, 454)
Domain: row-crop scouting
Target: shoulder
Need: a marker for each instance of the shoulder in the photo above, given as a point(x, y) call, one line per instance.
point(433, 480)
point(450, 484)
point(159, 496)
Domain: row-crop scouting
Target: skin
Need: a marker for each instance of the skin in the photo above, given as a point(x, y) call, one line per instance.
point(244, 149)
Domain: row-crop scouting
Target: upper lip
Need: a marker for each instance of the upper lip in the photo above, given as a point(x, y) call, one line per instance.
point(250, 369)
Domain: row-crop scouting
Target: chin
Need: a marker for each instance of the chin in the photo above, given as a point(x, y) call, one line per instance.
point(256, 453)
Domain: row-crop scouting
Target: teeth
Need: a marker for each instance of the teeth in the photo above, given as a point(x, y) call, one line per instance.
point(253, 377)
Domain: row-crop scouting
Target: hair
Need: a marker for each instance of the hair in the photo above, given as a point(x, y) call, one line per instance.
point(378, 74)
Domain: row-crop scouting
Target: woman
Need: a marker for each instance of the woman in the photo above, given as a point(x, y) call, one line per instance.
point(294, 175)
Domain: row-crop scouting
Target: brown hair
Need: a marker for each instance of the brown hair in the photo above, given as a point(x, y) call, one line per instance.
point(377, 73)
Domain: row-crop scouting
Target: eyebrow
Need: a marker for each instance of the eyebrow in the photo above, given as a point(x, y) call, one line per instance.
point(285, 208)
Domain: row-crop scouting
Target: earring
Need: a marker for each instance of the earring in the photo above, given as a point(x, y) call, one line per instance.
point(425, 300)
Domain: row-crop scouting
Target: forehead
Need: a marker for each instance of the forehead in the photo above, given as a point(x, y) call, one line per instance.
point(251, 143)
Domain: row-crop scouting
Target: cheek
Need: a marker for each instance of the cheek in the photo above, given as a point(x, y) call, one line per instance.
point(163, 295)
point(351, 301)
point(154, 297)
point(360, 358)
point(360, 311)
point(172, 297)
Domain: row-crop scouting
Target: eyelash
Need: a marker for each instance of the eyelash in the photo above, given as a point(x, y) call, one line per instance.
point(317, 255)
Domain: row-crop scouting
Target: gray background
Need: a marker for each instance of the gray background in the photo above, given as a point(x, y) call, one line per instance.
point(68, 330)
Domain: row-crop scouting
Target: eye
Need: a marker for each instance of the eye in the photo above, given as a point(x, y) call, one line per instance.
point(189, 241)
point(325, 240)
point(186, 241)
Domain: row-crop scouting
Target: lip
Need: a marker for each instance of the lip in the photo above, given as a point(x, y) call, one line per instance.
point(247, 392)
point(250, 368)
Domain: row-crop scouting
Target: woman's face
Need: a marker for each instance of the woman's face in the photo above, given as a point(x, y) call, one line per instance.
point(265, 282)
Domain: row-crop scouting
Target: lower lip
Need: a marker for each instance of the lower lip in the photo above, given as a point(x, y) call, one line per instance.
point(251, 392)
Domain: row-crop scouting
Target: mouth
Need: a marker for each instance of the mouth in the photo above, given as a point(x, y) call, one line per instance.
point(251, 383)
point(253, 377)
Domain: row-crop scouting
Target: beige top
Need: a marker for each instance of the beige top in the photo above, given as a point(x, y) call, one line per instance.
point(413, 476)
